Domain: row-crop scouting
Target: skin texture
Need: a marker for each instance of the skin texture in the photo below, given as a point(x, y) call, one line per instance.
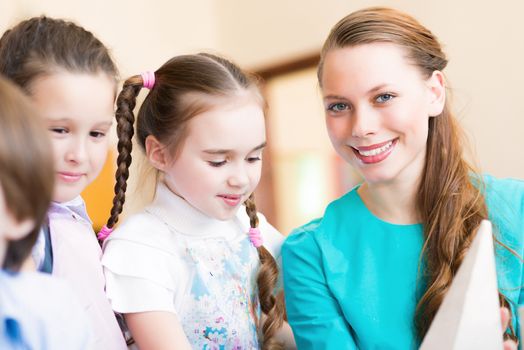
point(219, 164)
point(373, 95)
point(78, 111)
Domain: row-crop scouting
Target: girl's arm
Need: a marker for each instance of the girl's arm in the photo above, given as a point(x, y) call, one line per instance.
point(157, 330)
point(313, 312)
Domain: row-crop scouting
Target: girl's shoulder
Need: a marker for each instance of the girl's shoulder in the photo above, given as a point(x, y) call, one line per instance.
point(143, 248)
point(26, 283)
point(45, 307)
point(143, 234)
point(140, 227)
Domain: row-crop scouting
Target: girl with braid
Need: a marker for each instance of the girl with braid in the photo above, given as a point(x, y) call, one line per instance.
point(194, 269)
point(373, 271)
point(71, 79)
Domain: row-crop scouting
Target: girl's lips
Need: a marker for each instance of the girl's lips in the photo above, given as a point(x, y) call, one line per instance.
point(231, 199)
point(69, 177)
point(375, 153)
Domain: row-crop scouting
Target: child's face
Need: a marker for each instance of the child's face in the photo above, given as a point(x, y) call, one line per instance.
point(378, 107)
point(219, 164)
point(78, 110)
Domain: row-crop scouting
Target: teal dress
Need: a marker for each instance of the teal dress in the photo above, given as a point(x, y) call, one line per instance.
point(352, 280)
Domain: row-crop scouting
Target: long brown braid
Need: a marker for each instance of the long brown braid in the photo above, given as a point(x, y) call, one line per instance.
point(271, 305)
point(125, 118)
point(448, 204)
point(185, 87)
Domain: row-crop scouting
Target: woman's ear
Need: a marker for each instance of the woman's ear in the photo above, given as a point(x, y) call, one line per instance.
point(156, 153)
point(437, 93)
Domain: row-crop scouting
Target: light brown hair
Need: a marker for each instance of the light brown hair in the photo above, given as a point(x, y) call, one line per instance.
point(449, 204)
point(26, 167)
point(42, 46)
point(186, 86)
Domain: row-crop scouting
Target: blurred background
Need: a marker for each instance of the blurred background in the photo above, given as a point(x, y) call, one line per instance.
point(280, 40)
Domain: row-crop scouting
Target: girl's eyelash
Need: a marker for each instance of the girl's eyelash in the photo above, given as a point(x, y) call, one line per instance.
point(58, 130)
point(253, 159)
point(97, 134)
point(216, 164)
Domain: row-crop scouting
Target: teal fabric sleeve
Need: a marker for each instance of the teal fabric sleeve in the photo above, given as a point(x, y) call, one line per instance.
point(323, 325)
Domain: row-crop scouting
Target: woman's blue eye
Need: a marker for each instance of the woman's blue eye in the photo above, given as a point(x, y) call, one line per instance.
point(384, 98)
point(217, 164)
point(338, 107)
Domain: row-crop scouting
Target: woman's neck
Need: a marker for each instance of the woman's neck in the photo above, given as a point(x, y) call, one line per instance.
point(393, 202)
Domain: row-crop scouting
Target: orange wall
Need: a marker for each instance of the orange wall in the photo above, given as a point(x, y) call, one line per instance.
point(99, 194)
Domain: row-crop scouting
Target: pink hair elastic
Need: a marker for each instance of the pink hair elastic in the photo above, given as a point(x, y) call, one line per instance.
point(148, 79)
point(255, 237)
point(104, 233)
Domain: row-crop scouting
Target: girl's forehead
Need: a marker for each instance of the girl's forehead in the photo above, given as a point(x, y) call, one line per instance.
point(231, 126)
point(66, 95)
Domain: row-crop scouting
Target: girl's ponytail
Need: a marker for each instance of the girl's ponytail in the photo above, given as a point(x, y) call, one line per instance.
point(125, 118)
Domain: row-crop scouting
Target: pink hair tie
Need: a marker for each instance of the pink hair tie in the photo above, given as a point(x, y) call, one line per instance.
point(255, 237)
point(148, 79)
point(104, 233)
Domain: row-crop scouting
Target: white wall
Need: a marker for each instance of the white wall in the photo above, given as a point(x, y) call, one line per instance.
point(482, 38)
point(141, 34)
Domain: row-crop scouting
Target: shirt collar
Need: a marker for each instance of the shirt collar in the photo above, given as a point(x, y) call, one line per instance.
point(183, 217)
point(75, 207)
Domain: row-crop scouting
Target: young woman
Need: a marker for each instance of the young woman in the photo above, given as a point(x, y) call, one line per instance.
point(373, 271)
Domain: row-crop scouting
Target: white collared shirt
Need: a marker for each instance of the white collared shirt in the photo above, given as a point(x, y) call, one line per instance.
point(172, 257)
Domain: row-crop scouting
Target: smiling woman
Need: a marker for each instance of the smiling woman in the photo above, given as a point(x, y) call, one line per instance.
point(377, 110)
point(373, 271)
